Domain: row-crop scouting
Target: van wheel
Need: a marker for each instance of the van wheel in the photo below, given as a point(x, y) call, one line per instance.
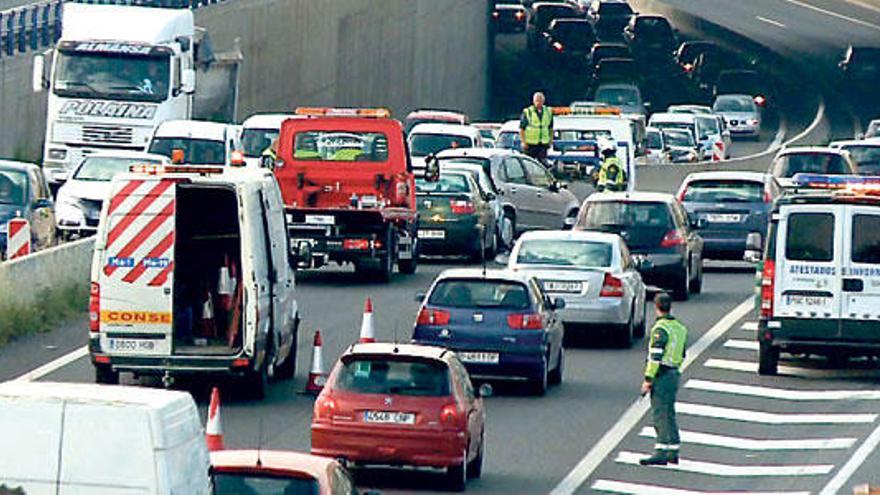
point(457, 475)
point(257, 382)
point(768, 359)
point(409, 266)
point(287, 368)
point(104, 374)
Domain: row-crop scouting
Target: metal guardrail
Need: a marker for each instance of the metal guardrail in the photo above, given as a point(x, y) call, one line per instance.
point(37, 26)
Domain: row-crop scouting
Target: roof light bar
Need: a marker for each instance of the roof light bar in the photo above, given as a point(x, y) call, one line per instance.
point(841, 183)
point(152, 169)
point(579, 110)
point(375, 113)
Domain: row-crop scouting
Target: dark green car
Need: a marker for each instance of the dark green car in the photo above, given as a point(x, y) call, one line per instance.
point(455, 218)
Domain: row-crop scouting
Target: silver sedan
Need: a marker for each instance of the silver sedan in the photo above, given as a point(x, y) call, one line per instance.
point(595, 275)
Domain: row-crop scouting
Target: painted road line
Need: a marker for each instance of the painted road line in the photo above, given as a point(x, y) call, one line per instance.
point(639, 489)
point(752, 367)
point(750, 326)
point(630, 419)
point(757, 444)
point(853, 464)
point(746, 345)
point(771, 22)
point(53, 365)
point(752, 416)
point(833, 14)
point(716, 469)
point(781, 393)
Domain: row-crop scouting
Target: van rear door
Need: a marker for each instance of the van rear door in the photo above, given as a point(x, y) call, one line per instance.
point(806, 291)
point(861, 274)
point(136, 250)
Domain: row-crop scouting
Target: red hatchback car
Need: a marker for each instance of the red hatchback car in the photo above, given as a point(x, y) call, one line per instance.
point(402, 405)
point(269, 472)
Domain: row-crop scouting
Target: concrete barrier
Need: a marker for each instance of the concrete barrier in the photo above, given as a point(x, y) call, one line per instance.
point(60, 267)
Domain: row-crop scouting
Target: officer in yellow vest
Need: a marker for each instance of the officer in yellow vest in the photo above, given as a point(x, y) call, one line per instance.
point(536, 128)
point(666, 352)
point(269, 155)
point(612, 174)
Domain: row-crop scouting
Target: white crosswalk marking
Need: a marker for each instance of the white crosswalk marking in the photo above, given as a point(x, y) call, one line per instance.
point(743, 443)
point(750, 416)
point(781, 393)
point(716, 469)
point(640, 489)
point(752, 367)
point(749, 345)
point(750, 326)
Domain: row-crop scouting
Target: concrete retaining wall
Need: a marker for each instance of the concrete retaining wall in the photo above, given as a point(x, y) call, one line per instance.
point(22, 113)
point(22, 280)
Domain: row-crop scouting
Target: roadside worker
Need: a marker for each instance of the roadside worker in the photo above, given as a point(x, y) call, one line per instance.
point(612, 174)
point(536, 128)
point(269, 155)
point(666, 351)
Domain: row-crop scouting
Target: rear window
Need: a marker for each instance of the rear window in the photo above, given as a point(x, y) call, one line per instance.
point(810, 237)
point(654, 140)
point(578, 135)
point(378, 375)
point(13, 187)
point(734, 104)
point(618, 96)
point(340, 146)
point(431, 144)
point(448, 183)
point(611, 214)
point(565, 253)
point(676, 137)
point(509, 140)
point(103, 169)
point(866, 239)
point(615, 9)
point(815, 163)
point(480, 294)
point(241, 483)
point(195, 151)
point(724, 191)
point(256, 141)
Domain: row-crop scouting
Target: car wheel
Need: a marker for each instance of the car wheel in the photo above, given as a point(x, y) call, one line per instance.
point(287, 368)
point(696, 285)
point(491, 247)
point(624, 336)
point(641, 327)
point(555, 377)
point(475, 467)
point(568, 225)
point(680, 290)
point(768, 359)
point(105, 375)
point(508, 231)
point(457, 475)
point(539, 384)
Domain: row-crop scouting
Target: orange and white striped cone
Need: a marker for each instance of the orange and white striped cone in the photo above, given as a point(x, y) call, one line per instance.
point(226, 284)
point(214, 428)
point(368, 332)
point(718, 151)
point(18, 238)
point(317, 377)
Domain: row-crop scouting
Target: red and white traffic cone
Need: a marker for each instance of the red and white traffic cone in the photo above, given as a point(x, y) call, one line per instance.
point(18, 240)
point(368, 332)
point(718, 151)
point(317, 377)
point(214, 428)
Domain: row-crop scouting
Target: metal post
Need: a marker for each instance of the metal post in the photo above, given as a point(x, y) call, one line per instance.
point(22, 30)
point(10, 33)
point(34, 29)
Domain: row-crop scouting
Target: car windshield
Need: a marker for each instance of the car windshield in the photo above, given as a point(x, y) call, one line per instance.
point(464, 293)
point(613, 215)
point(816, 163)
point(865, 156)
point(431, 144)
point(13, 187)
point(580, 254)
point(679, 138)
point(112, 76)
point(256, 141)
point(103, 169)
point(509, 140)
point(618, 96)
point(654, 140)
point(340, 146)
point(734, 104)
point(724, 191)
point(262, 484)
point(195, 151)
point(393, 376)
point(448, 183)
point(579, 135)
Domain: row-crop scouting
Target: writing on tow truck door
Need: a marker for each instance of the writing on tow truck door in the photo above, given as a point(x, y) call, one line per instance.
point(143, 317)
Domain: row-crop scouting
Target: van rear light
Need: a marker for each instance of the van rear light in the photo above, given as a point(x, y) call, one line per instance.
point(241, 362)
point(325, 407)
point(767, 278)
point(449, 415)
point(433, 317)
point(672, 238)
point(461, 207)
point(525, 321)
point(760, 100)
point(682, 193)
point(611, 286)
point(95, 307)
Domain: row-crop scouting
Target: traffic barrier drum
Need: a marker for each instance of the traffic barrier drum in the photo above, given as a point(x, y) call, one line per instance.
point(18, 240)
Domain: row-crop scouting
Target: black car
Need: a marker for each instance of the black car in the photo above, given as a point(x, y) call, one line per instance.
point(742, 82)
point(602, 51)
point(609, 17)
point(860, 67)
point(615, 70)
point(542, 14)
point(509, 18)
point(569, 40)
point(665, 246)
point(650, 36)
point(688, 51)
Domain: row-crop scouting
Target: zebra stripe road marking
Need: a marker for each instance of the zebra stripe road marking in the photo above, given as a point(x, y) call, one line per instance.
point(640, 489)
point(748, 345)
point(780, 393)
point(750, 326)
point(751, 416)
point(731, 470)
point(743, 443)
point(752, 367)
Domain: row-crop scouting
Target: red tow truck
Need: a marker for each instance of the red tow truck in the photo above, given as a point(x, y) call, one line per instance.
point(349, 190)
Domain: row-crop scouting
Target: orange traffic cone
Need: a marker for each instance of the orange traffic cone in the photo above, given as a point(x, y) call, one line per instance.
point(368, 332)
point(317, 377)
point(213, 428)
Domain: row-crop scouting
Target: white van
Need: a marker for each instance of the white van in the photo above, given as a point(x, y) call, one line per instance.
point(58, 438)
point(191, 275)
point(584, 131)
point(820, 288)
point(202, 142)
point(705, 128)
point(258, 132)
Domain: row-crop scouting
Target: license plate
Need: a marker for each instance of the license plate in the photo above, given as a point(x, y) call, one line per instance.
point(563, 286)
point(320, 219)
point(478, 357)
point(389, 417)
point(131, 345)
point(809, 301)
point(723, 217)
point(432, 234)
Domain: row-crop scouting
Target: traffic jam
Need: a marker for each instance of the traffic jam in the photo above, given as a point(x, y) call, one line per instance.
point(521, 241)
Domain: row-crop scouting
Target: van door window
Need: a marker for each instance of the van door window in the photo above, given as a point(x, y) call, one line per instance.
point(810, 237)
point(866, 239)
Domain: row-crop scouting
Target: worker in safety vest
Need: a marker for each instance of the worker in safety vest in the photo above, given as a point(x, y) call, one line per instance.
point(536, 128)
point(612, 173)
point(666, 351)
point(269, 155)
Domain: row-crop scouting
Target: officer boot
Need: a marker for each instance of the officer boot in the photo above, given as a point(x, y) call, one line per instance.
point(659, 458)
point(672, 456)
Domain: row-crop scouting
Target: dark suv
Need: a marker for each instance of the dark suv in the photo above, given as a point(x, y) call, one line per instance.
point(666, 249)
point(609, 17)
point(650, 36)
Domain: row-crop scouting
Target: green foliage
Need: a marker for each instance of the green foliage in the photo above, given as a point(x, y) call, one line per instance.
point(52, 306)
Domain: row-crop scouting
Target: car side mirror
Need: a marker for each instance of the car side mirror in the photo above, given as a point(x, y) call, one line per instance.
point(420, 297)
point(502, 259)
point(490, 196)
point(554, 186)
point(188, 81)
point(485, 390)
point(754, 247)
point(558, 303)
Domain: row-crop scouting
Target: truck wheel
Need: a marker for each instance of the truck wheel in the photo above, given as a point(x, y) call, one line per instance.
point(287, 368)
point(409, 266)
point(104, 374)
point(768, 359)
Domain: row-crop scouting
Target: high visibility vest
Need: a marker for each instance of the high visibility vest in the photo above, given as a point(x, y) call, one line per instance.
point(267, 159)
point(538, 129)
point(667, 345)
point(612, 173)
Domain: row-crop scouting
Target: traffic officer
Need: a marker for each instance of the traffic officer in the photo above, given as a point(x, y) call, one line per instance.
point(536, 128)
point(269, 155)
point(612, 175)
point(666, 352)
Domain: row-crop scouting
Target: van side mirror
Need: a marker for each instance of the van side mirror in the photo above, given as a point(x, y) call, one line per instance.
point(754, 247)
point(188, 81)
point(39, 79)
point(420, 297)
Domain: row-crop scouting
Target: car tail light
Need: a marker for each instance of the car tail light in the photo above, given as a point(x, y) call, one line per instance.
point(611, 286)
point(356, 244)
point(671, 239)
point(449, 415)
point(767, 277)
point(520, 15)
point(95, 307)
point(760, 100)
point(461, 207)
point(753, 122)
point(525, 321)
point(433, 317)
point(558, 46)
point(324, 408)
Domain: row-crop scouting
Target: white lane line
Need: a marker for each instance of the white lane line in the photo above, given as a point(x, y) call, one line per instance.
point(757, 444)
point(751, 416)
point(748, 345)
point(750, 326)
point(716, 469)
point(640, 489)
point(853, 464)
point(771, 22)
point(752, 367)
point(603, 448)
point(781, 393)
point(833, 14)
point(53, 365)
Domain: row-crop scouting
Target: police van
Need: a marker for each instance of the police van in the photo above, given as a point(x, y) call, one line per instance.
point(820, 279)
point(191, 275)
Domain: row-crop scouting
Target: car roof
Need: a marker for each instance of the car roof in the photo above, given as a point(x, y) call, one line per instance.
point(226, 175)
point(272, 461)
point(673, 117)
point(486, 153)
point(728, 175)
point(734, 96)
point(268, 120)
point(192, 129)
point(397, 349)
point(872, 141)
point(510, 125)
point(569, 235)
point(453, 129)
point(632, 197)
point(493, 274)
point(16, 165)
point(429, 112)
point(810, 149)
point(87, 393)
point(139, 155)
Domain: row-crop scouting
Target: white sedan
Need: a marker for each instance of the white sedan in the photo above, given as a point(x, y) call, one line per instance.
point(595, 275)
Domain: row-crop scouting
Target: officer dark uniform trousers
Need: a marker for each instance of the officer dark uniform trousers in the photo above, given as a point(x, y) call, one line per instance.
point(666, 352)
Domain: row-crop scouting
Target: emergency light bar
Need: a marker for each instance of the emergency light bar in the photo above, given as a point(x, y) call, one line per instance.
point(375, 113)
point(174, 169)
point(855, 183)
point(603, 110)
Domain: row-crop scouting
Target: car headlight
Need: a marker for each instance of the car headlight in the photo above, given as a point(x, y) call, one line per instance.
point(68, 212)
point(57, 154)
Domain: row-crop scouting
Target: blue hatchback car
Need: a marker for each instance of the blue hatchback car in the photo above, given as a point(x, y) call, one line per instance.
point(500, 323)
